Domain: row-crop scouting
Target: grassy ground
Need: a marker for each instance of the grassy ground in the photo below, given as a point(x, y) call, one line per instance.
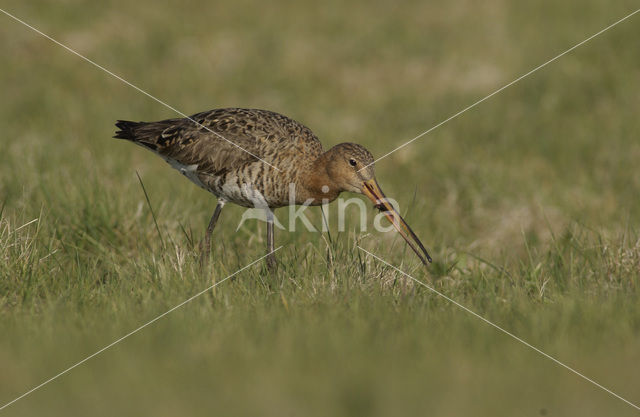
point(529, 204)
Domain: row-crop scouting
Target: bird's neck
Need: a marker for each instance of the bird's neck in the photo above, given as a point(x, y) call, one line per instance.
point(317, 184)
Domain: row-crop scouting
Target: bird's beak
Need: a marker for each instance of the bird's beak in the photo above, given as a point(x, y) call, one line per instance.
point(372, 190)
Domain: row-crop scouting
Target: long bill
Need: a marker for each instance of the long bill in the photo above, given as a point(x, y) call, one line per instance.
point(372, 190)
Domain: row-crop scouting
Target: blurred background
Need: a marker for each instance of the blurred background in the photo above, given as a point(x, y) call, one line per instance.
point(528, 203)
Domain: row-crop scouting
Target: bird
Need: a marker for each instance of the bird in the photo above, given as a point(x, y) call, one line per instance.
point(260, 158)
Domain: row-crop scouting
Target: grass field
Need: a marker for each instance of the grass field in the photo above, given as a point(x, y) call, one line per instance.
point(528, 202)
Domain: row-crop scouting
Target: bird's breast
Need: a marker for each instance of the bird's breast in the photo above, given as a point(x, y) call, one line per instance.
point(255, 185)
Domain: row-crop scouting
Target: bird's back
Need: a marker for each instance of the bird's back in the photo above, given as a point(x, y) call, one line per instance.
point(223, 150)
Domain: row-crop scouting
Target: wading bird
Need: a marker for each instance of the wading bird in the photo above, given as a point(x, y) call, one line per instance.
point(258, 158)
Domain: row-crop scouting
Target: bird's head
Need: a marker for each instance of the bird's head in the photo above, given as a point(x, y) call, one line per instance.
point(351, 168)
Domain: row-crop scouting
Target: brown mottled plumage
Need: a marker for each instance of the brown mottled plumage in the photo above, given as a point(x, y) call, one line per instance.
point(255, 158)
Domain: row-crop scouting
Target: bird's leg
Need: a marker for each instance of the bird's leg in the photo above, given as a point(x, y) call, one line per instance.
point(205, 246)
point(271, 258)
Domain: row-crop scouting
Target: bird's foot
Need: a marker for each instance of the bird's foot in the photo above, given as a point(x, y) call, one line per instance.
point(272, 263)
point(205, 253)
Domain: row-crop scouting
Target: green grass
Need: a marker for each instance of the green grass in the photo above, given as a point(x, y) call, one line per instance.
point(529, 204)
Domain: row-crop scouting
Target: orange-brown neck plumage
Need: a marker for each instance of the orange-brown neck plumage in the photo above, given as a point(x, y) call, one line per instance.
point(317, 183)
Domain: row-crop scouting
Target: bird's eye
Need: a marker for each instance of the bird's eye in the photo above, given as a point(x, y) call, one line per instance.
point(352, 162)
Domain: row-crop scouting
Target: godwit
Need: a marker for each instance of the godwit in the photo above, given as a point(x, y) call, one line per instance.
point(257, 157)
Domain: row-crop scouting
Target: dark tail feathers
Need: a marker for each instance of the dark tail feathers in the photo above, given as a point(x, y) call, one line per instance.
point(127, 129)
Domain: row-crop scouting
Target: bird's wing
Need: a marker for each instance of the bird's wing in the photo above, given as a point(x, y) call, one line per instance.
point(221, 139)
